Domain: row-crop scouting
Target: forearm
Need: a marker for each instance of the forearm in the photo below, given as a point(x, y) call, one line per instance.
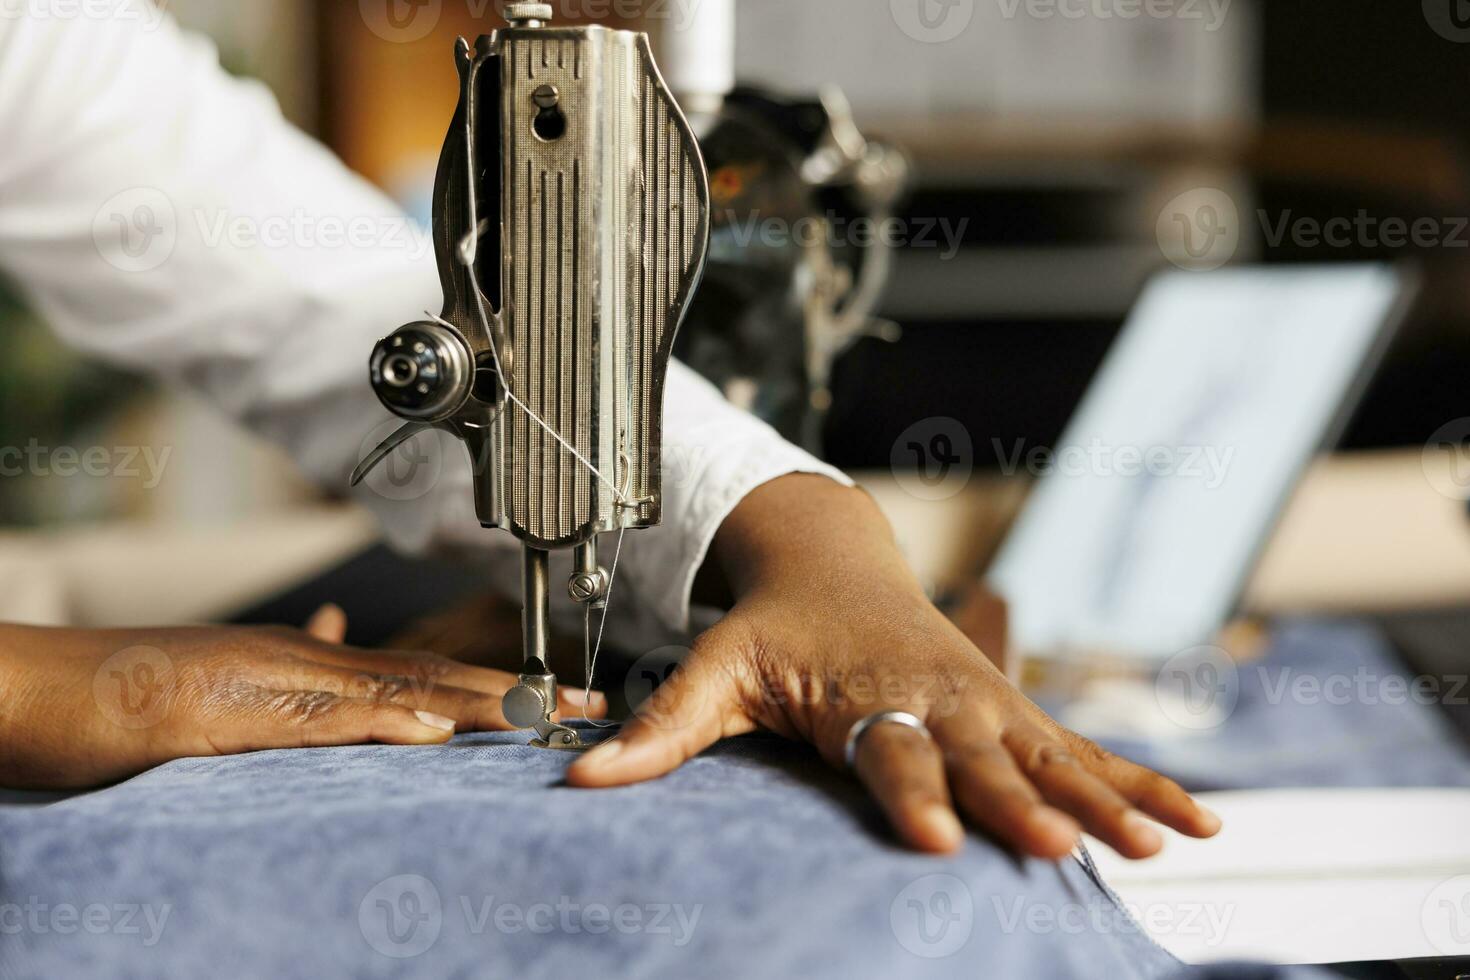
point(14, 698)
point(46, 705)
point(802, 531)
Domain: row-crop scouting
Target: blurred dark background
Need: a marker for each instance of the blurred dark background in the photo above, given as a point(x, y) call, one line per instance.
point(1361, 107)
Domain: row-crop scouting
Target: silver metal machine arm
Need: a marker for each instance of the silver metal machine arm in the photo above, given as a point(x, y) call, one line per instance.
point(571, 222)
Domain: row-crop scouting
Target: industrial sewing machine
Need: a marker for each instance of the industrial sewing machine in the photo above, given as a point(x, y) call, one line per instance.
point(571, 223)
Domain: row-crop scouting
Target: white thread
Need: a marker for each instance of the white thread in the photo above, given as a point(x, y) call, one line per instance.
point(591, 664)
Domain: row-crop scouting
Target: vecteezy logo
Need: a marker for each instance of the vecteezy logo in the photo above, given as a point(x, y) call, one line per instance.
point(132, 687)
point(646, 689)
point(401, 916)
point(1446, 459)
point(933, 459)
point(1450, 19)
point(137, 230)
point(932, 21)
point(401, 21)
point(1200, 229)
point(933, 917)
point(413, 468)
point(1445, 916)
point(1198, 688)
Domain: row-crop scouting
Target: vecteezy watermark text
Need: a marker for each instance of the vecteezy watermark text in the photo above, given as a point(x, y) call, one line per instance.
point(1363, 686)
point(403, 916)
point(145, 463)
point(670, 706)
point(1207, 922)
point(148, 15)
point(836, 231)
point(675, 921)
point(1208, 464)
point(38, 918)
point(1202, 229)
point(1364, 230)
point(139, 230)
point(305, 231)
point(934, 917)
point(1210, 14)
point(1200, 688)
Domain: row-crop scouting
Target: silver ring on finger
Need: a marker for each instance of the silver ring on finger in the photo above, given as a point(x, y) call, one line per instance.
point(863, 725)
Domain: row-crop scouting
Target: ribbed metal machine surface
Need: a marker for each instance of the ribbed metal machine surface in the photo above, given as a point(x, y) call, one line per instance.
point(616, 200)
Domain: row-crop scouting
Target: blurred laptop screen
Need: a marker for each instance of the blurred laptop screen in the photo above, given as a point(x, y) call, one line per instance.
point(1149, 515)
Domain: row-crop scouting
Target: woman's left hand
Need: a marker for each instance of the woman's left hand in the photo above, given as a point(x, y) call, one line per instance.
point(830, 627)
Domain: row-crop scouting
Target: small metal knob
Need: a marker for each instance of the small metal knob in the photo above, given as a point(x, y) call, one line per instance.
point(523, 706)
point(527, 14)
point(421, 372)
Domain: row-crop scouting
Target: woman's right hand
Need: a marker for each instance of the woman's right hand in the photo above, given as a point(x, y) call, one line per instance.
point(83, 708)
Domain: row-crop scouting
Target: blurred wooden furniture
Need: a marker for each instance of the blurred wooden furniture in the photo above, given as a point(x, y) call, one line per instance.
point(1365, 533)
point(150, 574)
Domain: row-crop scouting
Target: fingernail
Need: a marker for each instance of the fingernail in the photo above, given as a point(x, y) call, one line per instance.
point(1213, 823)
point(1143, 831)
point(580, 697)
point(436, 721)
point(943, 824)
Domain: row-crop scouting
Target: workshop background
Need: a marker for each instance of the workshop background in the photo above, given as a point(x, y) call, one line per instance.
point(1053, 140)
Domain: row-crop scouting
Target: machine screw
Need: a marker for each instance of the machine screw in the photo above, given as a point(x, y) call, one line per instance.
point(588, 586)
point(546, 97)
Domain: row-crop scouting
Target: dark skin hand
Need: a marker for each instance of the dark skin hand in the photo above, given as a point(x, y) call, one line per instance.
point(829, 626)
point(88, 707)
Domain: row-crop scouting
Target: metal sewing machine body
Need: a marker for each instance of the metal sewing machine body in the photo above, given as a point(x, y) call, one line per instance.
point(571, 224)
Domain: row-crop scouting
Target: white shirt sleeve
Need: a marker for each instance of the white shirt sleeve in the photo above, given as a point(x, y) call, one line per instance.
point(163, 216)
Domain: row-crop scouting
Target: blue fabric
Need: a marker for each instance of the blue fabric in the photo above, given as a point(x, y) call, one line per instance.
point(1320, 709)
point(755, 860)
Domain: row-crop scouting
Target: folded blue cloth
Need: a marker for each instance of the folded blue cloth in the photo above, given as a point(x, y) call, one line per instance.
point(1329, 704)
point(473, 859)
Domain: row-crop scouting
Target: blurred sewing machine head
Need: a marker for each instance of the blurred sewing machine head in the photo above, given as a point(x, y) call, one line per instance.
point(788, 291)
point(788, 288)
